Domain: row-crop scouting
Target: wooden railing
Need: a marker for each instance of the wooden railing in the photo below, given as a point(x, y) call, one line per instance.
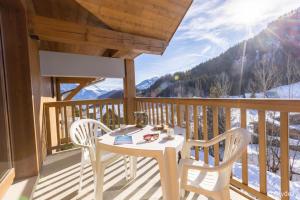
point(59, 116)
point(201, 117)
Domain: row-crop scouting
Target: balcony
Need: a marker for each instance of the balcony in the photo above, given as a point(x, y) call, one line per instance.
point(205, 117)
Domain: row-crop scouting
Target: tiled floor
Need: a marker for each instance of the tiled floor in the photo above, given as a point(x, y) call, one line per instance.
point(60, 175)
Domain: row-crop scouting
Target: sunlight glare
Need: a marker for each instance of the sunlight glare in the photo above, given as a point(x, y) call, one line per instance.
point(249, 12)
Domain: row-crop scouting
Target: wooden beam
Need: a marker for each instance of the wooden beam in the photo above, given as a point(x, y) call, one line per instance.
point(74, 79)
point(129, 90)
point(110, 52)
point(74, 92)
point(55, 30)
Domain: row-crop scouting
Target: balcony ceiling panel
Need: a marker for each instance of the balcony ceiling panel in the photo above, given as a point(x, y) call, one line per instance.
point(151, 19)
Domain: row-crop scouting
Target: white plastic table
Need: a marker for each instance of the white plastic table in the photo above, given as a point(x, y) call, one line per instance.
point(163, 150)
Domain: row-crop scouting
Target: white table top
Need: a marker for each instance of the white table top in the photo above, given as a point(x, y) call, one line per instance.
point(138, 142)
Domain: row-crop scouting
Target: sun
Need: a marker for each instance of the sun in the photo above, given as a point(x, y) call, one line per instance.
point(249, 12)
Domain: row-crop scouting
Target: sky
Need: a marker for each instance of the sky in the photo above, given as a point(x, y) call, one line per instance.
point(209, 28)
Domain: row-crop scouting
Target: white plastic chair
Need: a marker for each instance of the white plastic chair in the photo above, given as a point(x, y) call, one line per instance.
point(212, 181)
point(83, 133)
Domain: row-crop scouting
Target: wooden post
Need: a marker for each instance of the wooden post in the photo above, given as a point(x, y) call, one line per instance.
point(284, 155)
point(129, 90)
point(245, 154)
point(262, 151)
point(216, 133)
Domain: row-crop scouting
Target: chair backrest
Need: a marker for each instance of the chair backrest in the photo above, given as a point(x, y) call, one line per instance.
point(236, 141)
point(83, 133)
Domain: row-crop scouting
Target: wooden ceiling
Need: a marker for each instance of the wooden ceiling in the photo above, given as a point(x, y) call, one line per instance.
point(113, 28)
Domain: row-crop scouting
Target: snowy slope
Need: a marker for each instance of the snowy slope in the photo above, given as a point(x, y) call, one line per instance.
point(146, 83)
point(291, 91)
point(285, 91)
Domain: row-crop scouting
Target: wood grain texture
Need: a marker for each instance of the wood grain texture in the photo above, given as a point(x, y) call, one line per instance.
point(54, 30)
point(19, 93)
point(158, 19)
point(129, 90)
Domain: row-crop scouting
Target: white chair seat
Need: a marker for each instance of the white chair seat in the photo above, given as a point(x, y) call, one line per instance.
point(202, 179)
point(105, 156)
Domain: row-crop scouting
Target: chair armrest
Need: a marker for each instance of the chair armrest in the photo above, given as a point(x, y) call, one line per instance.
point(81, 145)
point(205, 143)
point(220, 167)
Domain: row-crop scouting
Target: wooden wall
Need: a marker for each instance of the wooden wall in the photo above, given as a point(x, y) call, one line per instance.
point(42, 91)
point(26, 90)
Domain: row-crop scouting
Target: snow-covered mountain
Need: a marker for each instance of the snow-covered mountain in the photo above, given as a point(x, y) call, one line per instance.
point(90, 92)
point(98, 92)
point(146, 83)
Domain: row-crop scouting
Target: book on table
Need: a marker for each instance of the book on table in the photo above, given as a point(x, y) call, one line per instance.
point(123, 139)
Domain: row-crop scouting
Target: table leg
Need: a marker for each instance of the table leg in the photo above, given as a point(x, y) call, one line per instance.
point(99, 175)
point(168, 174)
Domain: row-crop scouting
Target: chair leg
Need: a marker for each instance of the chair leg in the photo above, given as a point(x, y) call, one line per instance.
point(182, 193)
point(126, 167)
point(223, 195)
point(81, 176)
point(133, 167)
point(226, 194)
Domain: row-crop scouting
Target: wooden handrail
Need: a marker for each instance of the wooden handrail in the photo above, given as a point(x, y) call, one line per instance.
point(172, 115)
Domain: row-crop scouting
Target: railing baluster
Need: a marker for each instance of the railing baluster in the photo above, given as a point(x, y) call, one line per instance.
point(113, 116)
point(284, 155)
point(227, 118)
point(178, 115)
point(66, 125)
point(94, 110)
point(107, 115)
point(196, 137)
point(187, 122)
point(153, 113)
point(87, 111)
point(119, 115)
point(205, 132)
point(80, 111)
point(149, 112)
point(57, 109)
point(167, 114)
point(216, 133)
point(161, 114)
point(73, 113)
point(245, 154)
point(262, 151)
point(157, 113)
point(100, 111)
point(172, 115)
point(48, 129)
